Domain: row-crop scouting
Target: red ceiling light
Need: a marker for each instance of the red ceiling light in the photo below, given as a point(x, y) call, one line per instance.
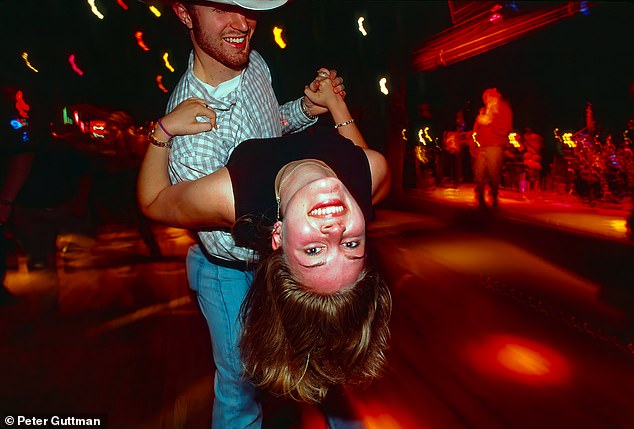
point(477, 36)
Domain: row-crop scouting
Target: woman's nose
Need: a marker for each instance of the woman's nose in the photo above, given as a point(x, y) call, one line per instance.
point(331, 227)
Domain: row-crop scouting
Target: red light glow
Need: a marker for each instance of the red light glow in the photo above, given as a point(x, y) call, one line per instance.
point(159, 82)
point(474, 37)
point(21, 105)
point(71, 60)
point(139, 40)
point(122, 4)
point(519, 359)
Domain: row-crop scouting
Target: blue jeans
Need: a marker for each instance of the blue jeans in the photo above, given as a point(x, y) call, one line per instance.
point(220, 292)
point(488, 165)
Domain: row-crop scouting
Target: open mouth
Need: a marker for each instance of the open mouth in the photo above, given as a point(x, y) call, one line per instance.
point(328, 208)
point(236, 41)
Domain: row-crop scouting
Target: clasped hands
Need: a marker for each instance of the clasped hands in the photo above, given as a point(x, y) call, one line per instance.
point(183, 119)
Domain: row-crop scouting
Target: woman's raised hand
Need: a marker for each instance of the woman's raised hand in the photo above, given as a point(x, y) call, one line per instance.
point(183, 120)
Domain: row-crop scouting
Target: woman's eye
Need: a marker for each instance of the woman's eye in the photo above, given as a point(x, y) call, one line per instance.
point(313, 251)
point(351, 244)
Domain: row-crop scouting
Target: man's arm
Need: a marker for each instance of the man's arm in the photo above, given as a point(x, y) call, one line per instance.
point(301, 113)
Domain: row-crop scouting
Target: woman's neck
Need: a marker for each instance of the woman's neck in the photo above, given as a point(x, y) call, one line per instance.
point(296, 174)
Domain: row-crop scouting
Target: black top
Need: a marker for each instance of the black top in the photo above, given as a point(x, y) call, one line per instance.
point(254, 164)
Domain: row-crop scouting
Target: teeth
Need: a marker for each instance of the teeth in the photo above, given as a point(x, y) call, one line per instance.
point(235, 39)
point(326, 211)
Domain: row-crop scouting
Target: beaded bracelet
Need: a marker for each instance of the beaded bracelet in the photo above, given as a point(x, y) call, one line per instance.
point(157, 142)
point(343, 124)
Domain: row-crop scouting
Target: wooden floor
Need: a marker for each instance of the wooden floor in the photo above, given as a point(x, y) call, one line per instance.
point(488, 330)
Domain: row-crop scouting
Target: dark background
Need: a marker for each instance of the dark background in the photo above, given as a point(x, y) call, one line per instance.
point(548, 76)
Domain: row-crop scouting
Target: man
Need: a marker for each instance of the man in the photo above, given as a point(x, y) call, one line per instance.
point(236, 83)
point(491, 129)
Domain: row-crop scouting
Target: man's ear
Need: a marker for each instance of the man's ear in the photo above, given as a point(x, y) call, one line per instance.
point(276, 237)
point(183, 14)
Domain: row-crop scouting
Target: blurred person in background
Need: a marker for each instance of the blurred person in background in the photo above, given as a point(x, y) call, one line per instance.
point(15, 164)
point(490, 138)
point(53, 198)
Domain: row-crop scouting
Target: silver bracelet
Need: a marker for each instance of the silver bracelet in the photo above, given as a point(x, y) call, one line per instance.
point(305, 110)
point(343, 124)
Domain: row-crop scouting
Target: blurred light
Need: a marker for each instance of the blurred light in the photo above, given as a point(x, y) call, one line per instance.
point(155, 11)
point(520, 359)
point(383, 86)
point(277, 34)
point(618, 225)
point(427, 136)
point(513, 140)
point(404, 134)
point(167, 63)
point(584, 8)
point(94, 9)
point(21, 105)
point(421, 154)
point(461, 42)
point(25, 57)
point(139, 40)
point(495, 18)
point(71, 60)
point(16, 124)
point(122, 4)
point(568, 140)
point(66, 120)
point(361, 28)
point(474, 136)
point(159, 82)
point(98, 129)
point(421, 138)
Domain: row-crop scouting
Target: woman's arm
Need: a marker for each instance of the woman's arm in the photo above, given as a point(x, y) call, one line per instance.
point(381, 179)
point(338, 108)
point(201, 203)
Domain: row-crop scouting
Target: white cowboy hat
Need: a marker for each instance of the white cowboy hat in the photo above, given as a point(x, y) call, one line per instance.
point(245, 4)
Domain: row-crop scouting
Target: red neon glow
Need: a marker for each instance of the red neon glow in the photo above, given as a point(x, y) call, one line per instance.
point(71, 60)
point(21, 105)
point(139, 40)
point(98, 128)
point(122, 4)
point(495, 18)
point(159, 82)
point(519, 359)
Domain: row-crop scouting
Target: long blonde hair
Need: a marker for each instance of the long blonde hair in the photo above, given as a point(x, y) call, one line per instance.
point(297, 343)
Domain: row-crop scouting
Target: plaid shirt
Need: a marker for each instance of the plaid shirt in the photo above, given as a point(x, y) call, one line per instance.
point(250, 111)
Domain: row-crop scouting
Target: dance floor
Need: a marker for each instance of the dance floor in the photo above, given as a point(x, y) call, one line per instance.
point(519, 317)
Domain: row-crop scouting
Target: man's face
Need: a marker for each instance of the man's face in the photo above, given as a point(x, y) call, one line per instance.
point(223, 32)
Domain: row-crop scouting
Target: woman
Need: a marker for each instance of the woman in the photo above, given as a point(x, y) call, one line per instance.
point(316, 315)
